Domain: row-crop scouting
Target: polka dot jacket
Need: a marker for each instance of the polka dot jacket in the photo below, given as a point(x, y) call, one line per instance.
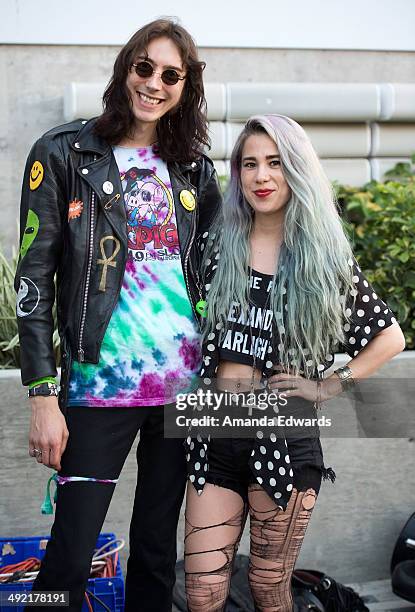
point(270, 461)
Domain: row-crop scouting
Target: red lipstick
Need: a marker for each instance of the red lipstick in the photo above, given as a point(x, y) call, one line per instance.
point(263, 193)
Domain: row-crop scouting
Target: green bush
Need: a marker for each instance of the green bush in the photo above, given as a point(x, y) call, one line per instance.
point(380, 219)
point(9, 339)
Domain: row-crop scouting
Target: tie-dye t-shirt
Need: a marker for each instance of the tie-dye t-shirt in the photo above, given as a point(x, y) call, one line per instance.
point(151, 348)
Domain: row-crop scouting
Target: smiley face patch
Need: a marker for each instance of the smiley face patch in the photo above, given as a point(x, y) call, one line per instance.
point(36, 175)
point(187, 200)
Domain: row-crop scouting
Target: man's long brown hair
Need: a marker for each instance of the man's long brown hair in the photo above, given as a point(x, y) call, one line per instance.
point(183, 132)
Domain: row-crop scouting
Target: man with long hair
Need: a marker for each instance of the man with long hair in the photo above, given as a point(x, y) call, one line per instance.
point(116, 206)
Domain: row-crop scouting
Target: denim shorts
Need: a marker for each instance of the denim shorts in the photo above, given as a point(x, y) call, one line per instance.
point(229, 463)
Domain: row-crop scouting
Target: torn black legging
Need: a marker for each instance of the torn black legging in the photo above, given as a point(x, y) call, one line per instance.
point(212, 536)
point(99, 442)
point(215, 522)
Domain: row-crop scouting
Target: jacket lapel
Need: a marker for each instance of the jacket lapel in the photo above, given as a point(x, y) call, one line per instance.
point(103, 178)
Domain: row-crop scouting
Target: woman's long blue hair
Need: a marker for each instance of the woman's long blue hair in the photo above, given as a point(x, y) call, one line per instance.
point(315, 262)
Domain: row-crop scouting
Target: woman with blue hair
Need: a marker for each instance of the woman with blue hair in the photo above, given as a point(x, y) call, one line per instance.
point(283, 293)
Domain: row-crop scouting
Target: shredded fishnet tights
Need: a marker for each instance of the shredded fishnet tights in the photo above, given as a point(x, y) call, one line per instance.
point(214, 525)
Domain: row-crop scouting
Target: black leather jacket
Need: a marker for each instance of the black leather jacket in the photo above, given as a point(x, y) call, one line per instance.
point(77, 169)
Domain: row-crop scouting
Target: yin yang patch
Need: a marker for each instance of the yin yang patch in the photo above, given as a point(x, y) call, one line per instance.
point(28, 297)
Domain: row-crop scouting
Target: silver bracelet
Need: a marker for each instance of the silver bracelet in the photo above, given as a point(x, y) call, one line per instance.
point(346, 377)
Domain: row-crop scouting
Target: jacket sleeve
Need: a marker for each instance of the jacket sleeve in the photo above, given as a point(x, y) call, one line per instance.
point(210, 203)
point(41, 237)
point(210, 199)
point(367, 314)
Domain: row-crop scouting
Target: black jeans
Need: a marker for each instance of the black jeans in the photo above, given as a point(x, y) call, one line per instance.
point(99, 442)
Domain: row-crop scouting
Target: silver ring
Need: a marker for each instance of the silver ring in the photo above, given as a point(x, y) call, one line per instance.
point(37, 451)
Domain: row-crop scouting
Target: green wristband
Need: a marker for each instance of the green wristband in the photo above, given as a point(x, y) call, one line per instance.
point(46, 379)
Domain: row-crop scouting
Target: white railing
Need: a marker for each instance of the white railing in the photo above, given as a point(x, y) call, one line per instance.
point(360, 130)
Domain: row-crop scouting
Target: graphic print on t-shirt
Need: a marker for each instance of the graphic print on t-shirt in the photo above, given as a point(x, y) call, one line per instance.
point(249, 332)
point(152, 231)
point(151, 347)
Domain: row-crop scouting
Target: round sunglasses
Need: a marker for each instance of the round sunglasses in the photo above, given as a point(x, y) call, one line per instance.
point(169, 76)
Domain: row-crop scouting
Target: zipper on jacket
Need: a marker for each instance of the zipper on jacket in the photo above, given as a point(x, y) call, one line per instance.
point(197, 282)
point(81, 354)
point(186, 274)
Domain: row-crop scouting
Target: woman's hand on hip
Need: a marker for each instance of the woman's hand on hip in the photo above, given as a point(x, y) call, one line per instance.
point(292, 385)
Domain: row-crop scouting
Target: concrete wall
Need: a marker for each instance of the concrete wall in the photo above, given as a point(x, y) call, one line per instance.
point(382, 25)
point(33, 79)
point(354, 524)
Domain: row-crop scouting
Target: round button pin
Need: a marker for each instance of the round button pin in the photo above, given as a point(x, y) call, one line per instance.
point(108, 187)
point(187, 200)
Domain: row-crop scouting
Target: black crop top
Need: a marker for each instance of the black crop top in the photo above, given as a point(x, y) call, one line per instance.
point(247, 333)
